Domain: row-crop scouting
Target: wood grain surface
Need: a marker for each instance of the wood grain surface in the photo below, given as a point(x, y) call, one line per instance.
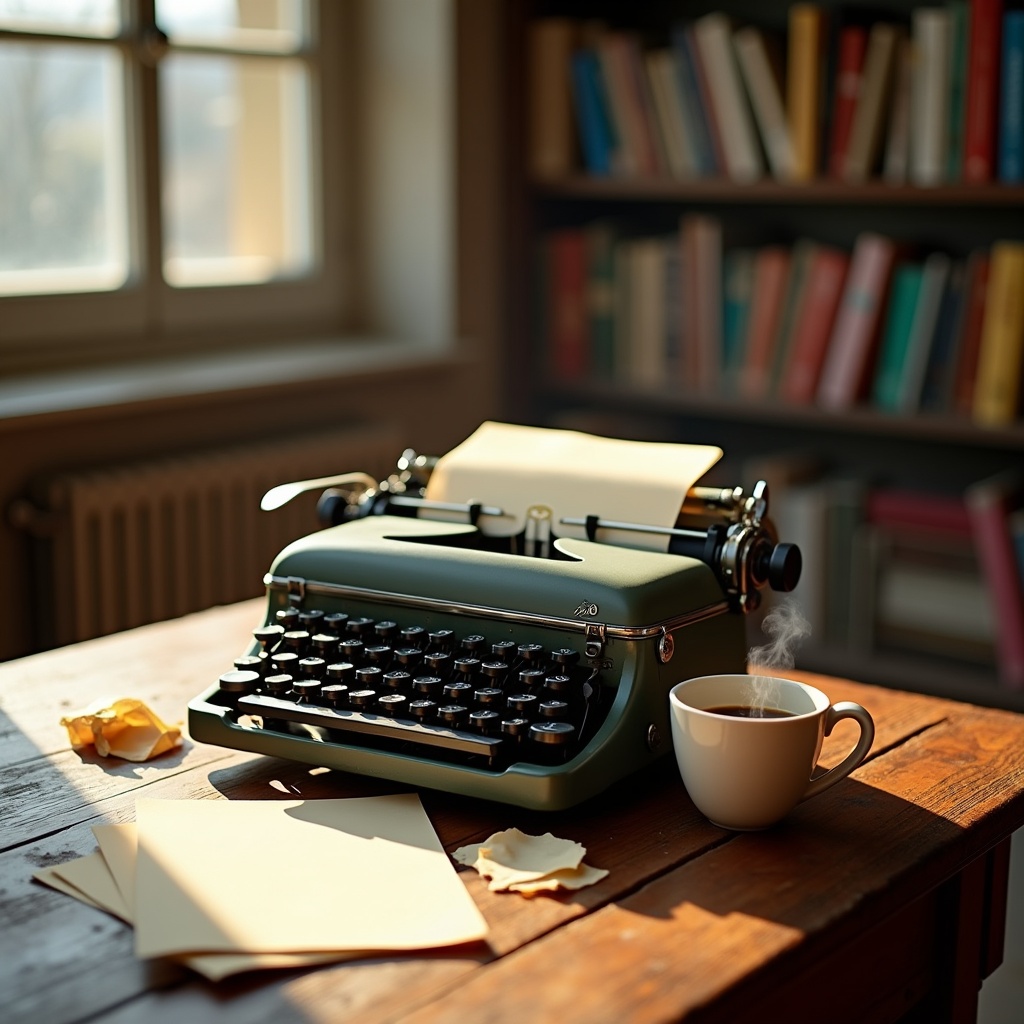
point(691, 922)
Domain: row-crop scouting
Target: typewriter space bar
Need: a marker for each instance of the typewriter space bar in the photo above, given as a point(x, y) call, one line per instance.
point(378, 726)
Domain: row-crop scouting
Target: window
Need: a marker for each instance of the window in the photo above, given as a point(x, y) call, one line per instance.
point(163, 171)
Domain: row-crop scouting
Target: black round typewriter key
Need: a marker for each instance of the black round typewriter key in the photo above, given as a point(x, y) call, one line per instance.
point(422, 709)
point(370, 677)
point(362, 699)
point(552, 740)
point(361, 627)
point(308, 689)
point(489, 697)
point(455, 716)
point(408, 657)
point(523, 705)
point(312, 668)
point(334, 695)
point(335, 621)
point(439, 662)
point(531, 678)
point(310, 618)
point(379, 654)
point(296, 640)
point(466, 667)
point(516, 728)
point(398, 681)
point(351, 650)
point(394, 704)
point(486, 721)
point(249, 663)
point(559, 687)
point(427, 686)
point(531, 653)
point(474, 643)
point(494, 670)
point(340, 672)
point(441, 639)
point(503, 649)
point(239, 682)
point(287, 617)
point(386, 630)
point(268, 637)
point(324, 645)
point(286, 661)
point(565, 656)
point(553, 710)
point(278, 685)
point(414, 636)
point(458, 692)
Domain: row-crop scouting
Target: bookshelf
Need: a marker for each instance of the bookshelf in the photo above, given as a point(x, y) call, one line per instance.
point(809, 450)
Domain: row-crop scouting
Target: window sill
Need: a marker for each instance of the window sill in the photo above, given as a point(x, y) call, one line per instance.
point(29, 399)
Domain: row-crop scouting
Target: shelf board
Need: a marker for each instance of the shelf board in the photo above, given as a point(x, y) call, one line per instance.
point(820, 191)
point(926, 427)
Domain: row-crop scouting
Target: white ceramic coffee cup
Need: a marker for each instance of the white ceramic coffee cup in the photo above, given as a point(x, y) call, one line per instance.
point(748, 773)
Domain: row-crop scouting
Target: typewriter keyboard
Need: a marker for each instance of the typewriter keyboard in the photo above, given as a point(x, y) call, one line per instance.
point(428, 693)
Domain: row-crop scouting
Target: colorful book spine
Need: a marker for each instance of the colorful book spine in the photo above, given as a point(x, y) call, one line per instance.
point(1001, 352)
point(976, 290)
point(596, 134)
point(899, 319)
point(601, 298)
point(694, 115)
point(868, 128)
point(959, 21)
point(804, 80)
point(771, 271)
point(737, 291)
point(922, 331)
point(1011, 100)
point(982, 90)
point(850, 51)
point(568, 335)
point(551, 149)
point(929, 96)
point(939, 378)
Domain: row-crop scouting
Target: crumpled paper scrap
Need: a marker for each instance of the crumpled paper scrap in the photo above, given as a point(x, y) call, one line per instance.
point(517, 862)
point(124, 728)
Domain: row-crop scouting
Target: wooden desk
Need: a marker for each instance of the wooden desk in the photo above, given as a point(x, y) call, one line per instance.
point(881, 899)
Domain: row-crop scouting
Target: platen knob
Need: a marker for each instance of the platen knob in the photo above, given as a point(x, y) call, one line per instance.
point(784, 567)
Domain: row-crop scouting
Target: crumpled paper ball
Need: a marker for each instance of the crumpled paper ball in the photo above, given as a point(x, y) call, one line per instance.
point(124, 728)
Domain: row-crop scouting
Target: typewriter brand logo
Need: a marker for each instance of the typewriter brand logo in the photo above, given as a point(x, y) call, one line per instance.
point(586, 610)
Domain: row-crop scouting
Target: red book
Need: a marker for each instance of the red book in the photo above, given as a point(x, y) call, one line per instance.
point(982, 105)
point(852, 346)
point(970, 341)
point(567, 332)
point(915, 510)
point(853, 42)
point(771, 271)
point(814, 323)
point(990, 503)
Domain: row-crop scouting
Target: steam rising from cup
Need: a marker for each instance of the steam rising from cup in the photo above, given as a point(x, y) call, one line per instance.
point(785, 626)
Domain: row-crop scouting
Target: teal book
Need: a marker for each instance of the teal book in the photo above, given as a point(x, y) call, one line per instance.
point(899, 320)
point(737, 289)
point(959, 25)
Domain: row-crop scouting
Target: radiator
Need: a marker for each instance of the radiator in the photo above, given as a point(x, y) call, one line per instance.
point(122, 546)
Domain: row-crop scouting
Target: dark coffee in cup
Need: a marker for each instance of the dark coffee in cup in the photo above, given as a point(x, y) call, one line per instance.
point(747, 711)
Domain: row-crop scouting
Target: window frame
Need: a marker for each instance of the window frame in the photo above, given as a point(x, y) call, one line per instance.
point(149, 318)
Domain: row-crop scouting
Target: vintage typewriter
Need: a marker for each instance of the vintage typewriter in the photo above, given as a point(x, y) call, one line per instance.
point(431, 636)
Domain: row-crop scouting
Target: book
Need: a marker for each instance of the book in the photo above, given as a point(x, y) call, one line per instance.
point(844, 512)
point(597, 139)
point(701, 298)
point(601, 242)
point(865, 142)
point(982, 102)
point(551, 144)
point(800, 257)
point(935, 275)
point(896, 162)
point(929, 96)
point(975, 291)
point(899, 319)
point(673, 317)
point(991, 502)
point(825, 277)
point(645, 365)
point(635, 154)
point(568, 336)
point(850, 50)
point(903, 508)
point(1001, 348)
point(939, 378)
point(737, 292)
point(691, 95)
point(771, 271)
point(1011, 99)
point(760, 74)
point(959, 27)
point(731, 111)
point(804, 86)
point(853, 343)
point(669, 115)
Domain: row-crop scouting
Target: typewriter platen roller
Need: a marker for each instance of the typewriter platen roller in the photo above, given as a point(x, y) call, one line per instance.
point(528, 663)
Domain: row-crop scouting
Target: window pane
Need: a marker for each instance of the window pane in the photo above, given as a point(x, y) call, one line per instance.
point(272, 25)
point(236, 198)
point(63, 205)
point(85, 17)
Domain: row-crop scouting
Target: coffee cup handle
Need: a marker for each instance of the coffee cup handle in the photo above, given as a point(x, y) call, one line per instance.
point(836, 713)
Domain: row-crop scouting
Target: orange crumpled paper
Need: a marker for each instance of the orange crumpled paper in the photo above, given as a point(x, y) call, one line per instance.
point(124, 728)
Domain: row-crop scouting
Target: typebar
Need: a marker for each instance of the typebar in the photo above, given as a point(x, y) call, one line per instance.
point(377, 726)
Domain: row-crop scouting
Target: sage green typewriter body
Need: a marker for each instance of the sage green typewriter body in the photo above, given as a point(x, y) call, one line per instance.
point(640, 621)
